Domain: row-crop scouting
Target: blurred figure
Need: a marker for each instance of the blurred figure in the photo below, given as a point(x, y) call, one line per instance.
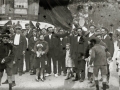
point(69, 62)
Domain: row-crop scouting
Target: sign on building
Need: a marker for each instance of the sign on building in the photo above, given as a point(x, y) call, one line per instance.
point(20, 6)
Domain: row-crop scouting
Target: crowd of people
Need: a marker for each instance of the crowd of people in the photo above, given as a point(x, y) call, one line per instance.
point(68, 51)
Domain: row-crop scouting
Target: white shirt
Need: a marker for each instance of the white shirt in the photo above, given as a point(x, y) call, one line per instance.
point(78, 39)
point(17, 39)
point(61, 39)
point(91, 34)
point(27, 42)
point(50, 36)
point(28, 31)
point(34, 38)
point(105, 36)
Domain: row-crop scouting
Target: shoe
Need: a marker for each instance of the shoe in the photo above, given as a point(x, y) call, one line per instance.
point(75, 80)
point(81, 80)
point(92, 85)
point(42, 79)
point(20, 74)
point(107, 87)
point(32, 73)
point(13, 84)
point(37, 80)
point(101, 80)
point(72, 75)
point(59, 74)
point(64, 74)
point(10, 86)
point(27, 71)
point(6, 82)
point(23, 72)
point(47, 75)
point(56, 75)
point(67, 78)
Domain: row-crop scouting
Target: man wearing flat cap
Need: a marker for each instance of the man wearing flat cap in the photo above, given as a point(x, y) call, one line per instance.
point(6, 59)
point(19, 44)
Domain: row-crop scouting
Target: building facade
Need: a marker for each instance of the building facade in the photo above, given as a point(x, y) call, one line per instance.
point(19, 9)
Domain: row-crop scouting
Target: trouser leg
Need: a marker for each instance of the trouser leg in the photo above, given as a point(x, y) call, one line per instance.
point(10, 82)
point(1, 74)
point(104, 81)
point(59, 66)
point(49, 64)
point(108, 74)
point(20, 64)
point(27, 60)
point(54, 65)
point(42, 73)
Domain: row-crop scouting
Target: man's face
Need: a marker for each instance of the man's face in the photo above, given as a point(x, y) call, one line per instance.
point(103, 31)
point(67, 47)
point(34, 33)
point(50, 30)
point(79, 31)
point(44, 31)
point(92, 29)
point(41, 37)
point(98, 31)
point(61, 31)
point(99, 37)
point(18, 30)
point(5, 39)
point(27, 27)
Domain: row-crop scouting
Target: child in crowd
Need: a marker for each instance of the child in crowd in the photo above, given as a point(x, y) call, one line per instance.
point(69, 62)
point(90, 68)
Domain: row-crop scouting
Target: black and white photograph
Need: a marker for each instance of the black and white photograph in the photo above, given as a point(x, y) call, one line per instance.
point(59, 44)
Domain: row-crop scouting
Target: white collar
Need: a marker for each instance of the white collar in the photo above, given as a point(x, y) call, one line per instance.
point(17, 34)
point(105, 36)
point(90, 34)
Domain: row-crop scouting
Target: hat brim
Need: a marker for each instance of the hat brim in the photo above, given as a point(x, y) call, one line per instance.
point(5, 36)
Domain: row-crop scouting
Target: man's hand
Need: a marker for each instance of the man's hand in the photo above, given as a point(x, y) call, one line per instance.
point(43, 52)
point(87, 59)
point(32, 50)
point(14, 62)
point(3, 61)
point(23, 52)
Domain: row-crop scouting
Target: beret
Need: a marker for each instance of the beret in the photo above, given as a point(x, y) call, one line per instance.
point(5, 35)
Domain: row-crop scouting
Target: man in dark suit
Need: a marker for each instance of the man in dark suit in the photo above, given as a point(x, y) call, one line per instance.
point(62, 39)
point(20, 47)
point(90, 35)
point(79, 49)
point(51, 39)
point(32, 42)
point(28, 36)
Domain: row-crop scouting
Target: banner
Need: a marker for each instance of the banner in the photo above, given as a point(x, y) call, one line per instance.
point(56, 13)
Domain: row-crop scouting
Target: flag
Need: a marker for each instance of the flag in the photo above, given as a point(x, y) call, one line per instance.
point(55, 12)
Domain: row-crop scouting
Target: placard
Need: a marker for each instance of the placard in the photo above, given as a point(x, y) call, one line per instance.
point(20, 3)
point(20, 11)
